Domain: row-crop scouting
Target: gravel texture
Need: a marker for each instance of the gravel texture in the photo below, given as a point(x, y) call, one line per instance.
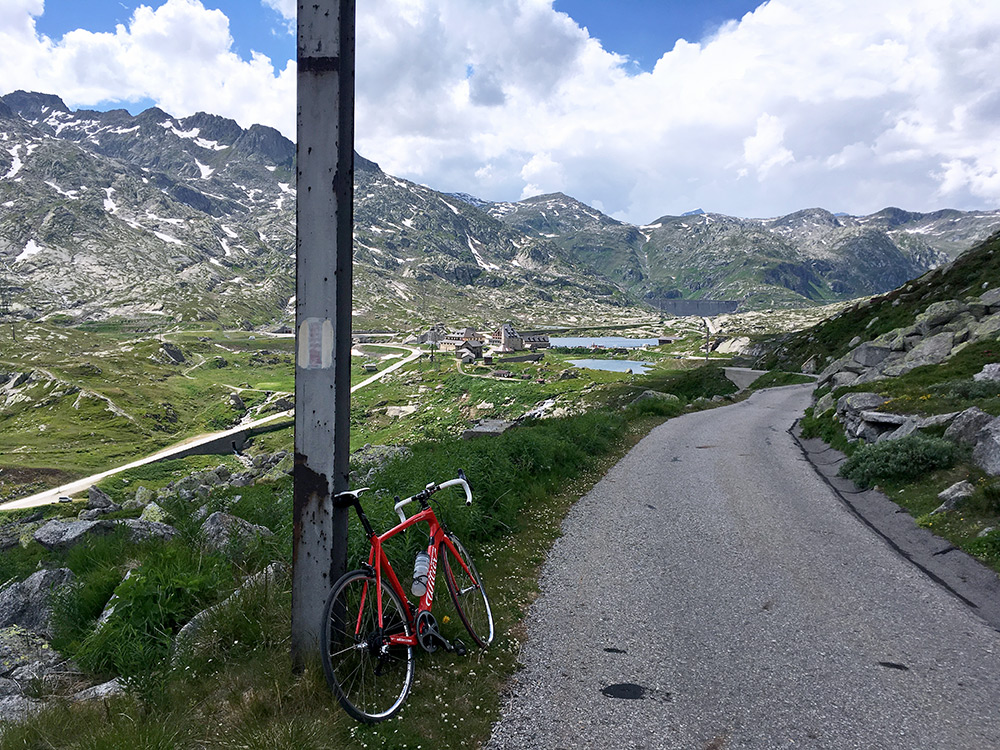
point(712, 591)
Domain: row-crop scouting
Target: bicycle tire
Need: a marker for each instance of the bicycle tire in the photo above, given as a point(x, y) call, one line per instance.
point(468, 594)
point(370, 680)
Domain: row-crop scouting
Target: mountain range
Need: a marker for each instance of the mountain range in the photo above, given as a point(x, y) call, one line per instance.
point(106, 215)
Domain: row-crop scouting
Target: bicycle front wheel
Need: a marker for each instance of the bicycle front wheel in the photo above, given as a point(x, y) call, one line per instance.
point(370, 677)
point(467, 592)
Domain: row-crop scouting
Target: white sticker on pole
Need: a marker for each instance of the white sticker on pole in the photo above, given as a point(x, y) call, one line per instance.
point(315, 344)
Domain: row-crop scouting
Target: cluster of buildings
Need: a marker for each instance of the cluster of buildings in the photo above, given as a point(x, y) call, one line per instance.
point(469, 344)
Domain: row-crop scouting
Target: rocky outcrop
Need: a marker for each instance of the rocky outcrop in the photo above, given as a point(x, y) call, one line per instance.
point(952, 497)
point(986, 454)
point(61, 535)
point(28, 603)
point(936, 334)
point(966, 426)
point(222, 530)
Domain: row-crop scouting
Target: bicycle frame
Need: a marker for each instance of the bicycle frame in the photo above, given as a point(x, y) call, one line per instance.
point(379, 562)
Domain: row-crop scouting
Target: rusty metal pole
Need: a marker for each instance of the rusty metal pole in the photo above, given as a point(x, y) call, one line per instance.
point(324, 237)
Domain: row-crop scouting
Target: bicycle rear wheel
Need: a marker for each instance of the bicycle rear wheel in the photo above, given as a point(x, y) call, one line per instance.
point(467, 592)
point(370, 678)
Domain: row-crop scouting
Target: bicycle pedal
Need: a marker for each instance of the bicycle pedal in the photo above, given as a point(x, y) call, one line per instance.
point(459, 647)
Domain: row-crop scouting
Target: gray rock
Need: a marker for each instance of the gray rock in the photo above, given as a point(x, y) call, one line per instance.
point(986, 532)
point(98, 498)
point(869, 355)
point(174, 354)
point(143, 496)
point(952, 497)
point(61, 535)
point(965, 428)
point(845, 378)
point(986, 454)
point(880, 417)
point(28, 603)
point(939, 314)
point(907, 428)
point(143, 531)
point(936, 420)
point(930, 351)
point(825, 403)
point(989, 372)
point(18, 708)
point(849, 409)
point(237, 403)
point(854, 342)
point(153, 512)
point(95, 513)
point(221, 530)
point(222, 471)
point(20, 646)
point(104, 690)
point(986, 329)
point(991, 299)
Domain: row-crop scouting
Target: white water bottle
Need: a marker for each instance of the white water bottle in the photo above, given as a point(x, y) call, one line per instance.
point(420, 567)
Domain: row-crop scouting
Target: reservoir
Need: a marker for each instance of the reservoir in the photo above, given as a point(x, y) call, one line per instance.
point(612, 365)
point(608, 342)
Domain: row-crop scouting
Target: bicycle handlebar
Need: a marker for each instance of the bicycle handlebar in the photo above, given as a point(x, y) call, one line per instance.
point(430, 489)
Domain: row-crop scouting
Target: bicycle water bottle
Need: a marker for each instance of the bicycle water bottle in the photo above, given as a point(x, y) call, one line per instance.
point(420, 567)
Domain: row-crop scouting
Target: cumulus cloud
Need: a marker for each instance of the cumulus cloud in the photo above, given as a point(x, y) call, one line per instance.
point(846, 104)
point(178, 54)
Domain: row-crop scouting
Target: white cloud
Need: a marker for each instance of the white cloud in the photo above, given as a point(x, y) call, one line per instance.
point(846, 104)
point(178, 54)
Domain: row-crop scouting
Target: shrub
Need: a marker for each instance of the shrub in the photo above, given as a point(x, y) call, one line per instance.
point(905, 459)
point(967, 390)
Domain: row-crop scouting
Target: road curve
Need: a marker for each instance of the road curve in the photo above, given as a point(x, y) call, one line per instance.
point(712, 592)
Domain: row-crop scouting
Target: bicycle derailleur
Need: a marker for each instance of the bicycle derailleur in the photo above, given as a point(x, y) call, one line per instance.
point(429, 637)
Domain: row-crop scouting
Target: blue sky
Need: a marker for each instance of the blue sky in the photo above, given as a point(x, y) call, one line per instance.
point(645, 29)
point(640, 108)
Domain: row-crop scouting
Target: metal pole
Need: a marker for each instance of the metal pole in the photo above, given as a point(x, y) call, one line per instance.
point(324, 237)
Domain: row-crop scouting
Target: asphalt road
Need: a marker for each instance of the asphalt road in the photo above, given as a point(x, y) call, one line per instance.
point(712, 592)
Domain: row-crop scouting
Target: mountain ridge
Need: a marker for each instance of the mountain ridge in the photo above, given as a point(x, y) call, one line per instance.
point(193, 218)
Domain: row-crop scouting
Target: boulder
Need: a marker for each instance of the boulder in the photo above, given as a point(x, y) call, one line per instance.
point(222, 530)
point(952, 497)
point(97, 498)
point(20, 647)
point(144, 531)
point(28, 603)
point(850, 407)
point(939, 314)
point(965, 428)
point(907, 428)
point(173, 353)
point(104, 690)
point(153, 512)
point(986, 454)
point(991, 299)
point(869, 355)
point(143, 496)
point(61, 535)
point(932, 350)
point(987, 329)
point(989, 372)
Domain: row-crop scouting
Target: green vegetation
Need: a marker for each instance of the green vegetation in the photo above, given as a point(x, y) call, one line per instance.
point(905, 459)
point(236, 681)
point(777, 378)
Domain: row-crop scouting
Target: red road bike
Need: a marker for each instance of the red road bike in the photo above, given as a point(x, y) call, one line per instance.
point(370, 628)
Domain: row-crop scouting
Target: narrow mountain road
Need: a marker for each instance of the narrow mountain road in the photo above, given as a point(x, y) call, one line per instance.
point(713, 592)
point(48, 497)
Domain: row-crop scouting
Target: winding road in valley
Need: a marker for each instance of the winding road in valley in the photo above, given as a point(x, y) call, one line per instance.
point(713, 592)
